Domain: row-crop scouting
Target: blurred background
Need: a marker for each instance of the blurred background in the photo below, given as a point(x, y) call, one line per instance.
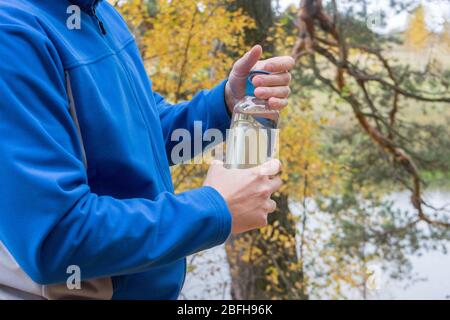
point(365, 210)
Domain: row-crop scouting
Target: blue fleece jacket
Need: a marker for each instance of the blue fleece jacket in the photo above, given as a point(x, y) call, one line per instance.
point(84, 145)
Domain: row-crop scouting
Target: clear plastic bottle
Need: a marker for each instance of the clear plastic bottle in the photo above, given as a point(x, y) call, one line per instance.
point(253, 137)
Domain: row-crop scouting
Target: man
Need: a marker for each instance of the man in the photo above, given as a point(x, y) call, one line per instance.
point(85, 152)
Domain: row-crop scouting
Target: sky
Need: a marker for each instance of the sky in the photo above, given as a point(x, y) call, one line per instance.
point(437, 11)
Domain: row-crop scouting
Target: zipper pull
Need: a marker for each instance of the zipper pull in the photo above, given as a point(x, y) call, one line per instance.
point(100, 23)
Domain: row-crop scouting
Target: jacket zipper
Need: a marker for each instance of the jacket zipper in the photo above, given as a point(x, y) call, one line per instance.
point(100, 23)
point(166, 181)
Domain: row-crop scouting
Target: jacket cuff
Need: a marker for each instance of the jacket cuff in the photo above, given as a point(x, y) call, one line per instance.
point(223, 215)
point(219, 113)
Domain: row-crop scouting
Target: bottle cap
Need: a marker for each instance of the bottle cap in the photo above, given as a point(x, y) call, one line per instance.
point(250, 88)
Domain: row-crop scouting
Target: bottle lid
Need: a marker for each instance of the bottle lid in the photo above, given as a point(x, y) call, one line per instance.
point(250, 88)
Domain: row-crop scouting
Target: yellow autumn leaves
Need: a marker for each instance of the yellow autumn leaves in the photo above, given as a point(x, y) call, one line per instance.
point(185, 47)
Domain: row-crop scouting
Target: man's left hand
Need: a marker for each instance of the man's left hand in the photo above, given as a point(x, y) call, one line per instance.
point(274, 87)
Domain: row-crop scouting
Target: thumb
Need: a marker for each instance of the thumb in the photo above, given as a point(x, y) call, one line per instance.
point(244, 65)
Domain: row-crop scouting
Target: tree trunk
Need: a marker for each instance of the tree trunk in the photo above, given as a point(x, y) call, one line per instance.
point(264, 264)
point(263, 14)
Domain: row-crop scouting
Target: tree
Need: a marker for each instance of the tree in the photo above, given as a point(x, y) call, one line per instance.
point(183, 45)
point(256, 274)
point(262, 12)
point(269, 263)
point(352, 84)
point(189, 45)
point(375, 91)
point(446, 35)
point(417, 34)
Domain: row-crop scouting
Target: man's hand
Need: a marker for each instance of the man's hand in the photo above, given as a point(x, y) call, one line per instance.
point(247, 192)
point(274, 87)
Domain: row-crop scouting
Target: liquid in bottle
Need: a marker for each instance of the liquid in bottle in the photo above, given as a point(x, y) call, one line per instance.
point(253, 137)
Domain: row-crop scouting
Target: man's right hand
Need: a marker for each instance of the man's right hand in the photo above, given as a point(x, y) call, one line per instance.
point(247, 192)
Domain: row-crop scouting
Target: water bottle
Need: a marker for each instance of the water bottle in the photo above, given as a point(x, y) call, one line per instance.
point(253, 137)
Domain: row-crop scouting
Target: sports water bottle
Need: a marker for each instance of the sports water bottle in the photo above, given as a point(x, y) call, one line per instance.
point(253, 137)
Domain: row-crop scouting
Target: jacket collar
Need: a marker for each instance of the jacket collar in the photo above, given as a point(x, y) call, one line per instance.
point(87, 6)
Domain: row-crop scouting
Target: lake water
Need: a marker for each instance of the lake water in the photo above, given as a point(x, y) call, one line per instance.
point(211, 277)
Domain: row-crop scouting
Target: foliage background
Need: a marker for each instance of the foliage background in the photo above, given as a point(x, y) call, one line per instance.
point(335, 219)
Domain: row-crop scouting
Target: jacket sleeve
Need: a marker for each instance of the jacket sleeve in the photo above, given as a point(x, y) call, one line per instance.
point(49, 218)
point(206, 111)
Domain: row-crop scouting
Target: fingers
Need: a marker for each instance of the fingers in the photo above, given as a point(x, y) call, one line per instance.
point(271, 168)
point(273, 92)
point(270, 206)
point(244, 65)
point(275, 185)
point(278, 104)
point(272, 80)
point(269, 188)
point(274, 88)
point(278, 64)
point(263, 219)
